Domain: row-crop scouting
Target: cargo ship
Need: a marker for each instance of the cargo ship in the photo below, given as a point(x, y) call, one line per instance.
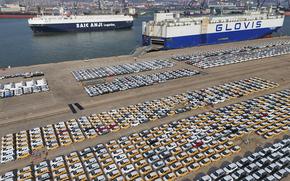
point(76, 23)
point(171, 31)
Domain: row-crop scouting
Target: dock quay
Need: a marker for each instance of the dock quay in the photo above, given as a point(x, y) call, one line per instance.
point(230, 78)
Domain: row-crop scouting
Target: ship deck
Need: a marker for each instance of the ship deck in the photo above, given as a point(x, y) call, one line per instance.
point(29, 111)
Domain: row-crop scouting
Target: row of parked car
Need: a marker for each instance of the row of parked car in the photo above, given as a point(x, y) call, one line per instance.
point(270, 164)
point(102, 72)
point(24, 75)
point(137, 81)
point(171, 150)
point(23, 87)
point(237, 55)
point(76, 130)
point(230, 50)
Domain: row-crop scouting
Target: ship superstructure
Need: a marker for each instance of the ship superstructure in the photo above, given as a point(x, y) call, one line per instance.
point(172, 31)
point(80, 23)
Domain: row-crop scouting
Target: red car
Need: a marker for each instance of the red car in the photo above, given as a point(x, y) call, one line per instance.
point(198, 143)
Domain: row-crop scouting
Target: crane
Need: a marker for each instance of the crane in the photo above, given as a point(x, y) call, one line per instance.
point(193, 3)
point(260, 4)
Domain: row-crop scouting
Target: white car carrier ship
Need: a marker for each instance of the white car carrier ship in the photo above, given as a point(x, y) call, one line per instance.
point(172, 31)
point(72, 23)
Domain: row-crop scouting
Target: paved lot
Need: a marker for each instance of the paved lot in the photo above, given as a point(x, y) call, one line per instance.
point(28, 111)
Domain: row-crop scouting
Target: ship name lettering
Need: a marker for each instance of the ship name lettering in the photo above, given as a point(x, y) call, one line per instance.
point(93, 25)
point(82, 25)
point(238, 26)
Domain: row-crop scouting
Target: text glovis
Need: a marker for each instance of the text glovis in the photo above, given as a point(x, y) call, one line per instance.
point(238, 26)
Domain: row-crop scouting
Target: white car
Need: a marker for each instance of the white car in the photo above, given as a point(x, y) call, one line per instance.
point(217, 174)
point(227, 178)
point(93, 166)
point(56, 160)
point(76, 172)
point(7, 175)
point(120, 157)
point(90, 161)
point(110, 168)
point(117, 152)
point(40, 165)
point(5, 159)
point(205, 178)
point(45, 176)
point(75, 166)
point(230, 168)
point(281, 174)
point(7, 152)
point(128, 168)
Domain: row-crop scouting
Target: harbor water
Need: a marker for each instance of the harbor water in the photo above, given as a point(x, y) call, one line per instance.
point(19, 47)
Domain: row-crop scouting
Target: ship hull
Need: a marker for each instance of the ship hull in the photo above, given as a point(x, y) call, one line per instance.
point(208, 39)
point(81, 27)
